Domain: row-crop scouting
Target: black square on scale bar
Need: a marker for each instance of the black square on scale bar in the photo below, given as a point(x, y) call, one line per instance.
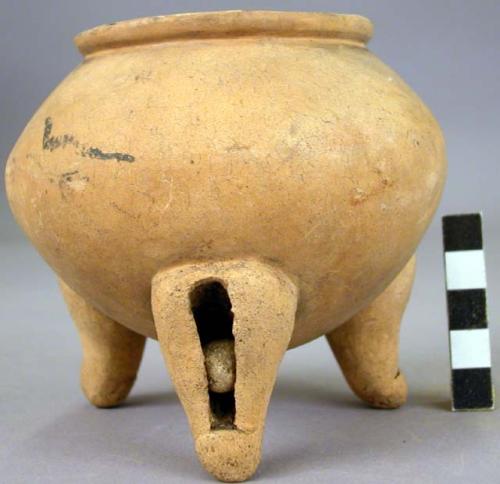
point(472, 389)
point(467, 309)
point(462, 232)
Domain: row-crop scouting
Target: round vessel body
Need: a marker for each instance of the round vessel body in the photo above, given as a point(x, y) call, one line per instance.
point(217, 137)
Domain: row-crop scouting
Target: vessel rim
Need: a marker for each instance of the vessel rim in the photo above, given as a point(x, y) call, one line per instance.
point(225, 24)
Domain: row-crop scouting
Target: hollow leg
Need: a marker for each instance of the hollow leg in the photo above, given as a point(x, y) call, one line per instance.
point(263, 302)
point(111, 352)
point(367, 345)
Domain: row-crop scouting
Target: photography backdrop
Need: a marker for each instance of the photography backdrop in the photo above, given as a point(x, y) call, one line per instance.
point(317, 431)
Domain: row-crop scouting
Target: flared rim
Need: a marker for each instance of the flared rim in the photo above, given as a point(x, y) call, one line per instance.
point(225, 24)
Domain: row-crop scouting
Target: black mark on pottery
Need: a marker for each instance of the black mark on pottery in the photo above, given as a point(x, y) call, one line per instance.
point(51, 143)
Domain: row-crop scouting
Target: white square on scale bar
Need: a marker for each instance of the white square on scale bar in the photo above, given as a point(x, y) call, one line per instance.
point(465, 270)
point(470, 348)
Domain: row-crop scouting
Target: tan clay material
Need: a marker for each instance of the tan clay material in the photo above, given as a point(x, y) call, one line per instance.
point(220, 364)
point(111, 352)
point(366, 346)
point(246, 180)
point(263, 301)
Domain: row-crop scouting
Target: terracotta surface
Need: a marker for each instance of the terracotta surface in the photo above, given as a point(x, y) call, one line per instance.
point(268, 153)
point(263, 301)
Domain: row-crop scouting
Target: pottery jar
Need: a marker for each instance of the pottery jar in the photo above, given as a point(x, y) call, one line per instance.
point(257, 179)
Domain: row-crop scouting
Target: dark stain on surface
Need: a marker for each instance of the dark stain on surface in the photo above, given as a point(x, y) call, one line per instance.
point(101, 155)
point(71, 181)
point(51, 143)
point(68, 176)
point(72, 176)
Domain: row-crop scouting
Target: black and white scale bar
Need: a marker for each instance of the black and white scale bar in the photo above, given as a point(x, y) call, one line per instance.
point(470, 354)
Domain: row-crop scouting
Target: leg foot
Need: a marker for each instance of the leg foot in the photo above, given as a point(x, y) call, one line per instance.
point(111, 352)
point(230, 455)
point(245, 303)
point(367, 345)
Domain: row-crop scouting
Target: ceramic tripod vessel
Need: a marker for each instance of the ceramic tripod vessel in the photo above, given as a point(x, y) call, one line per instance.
point(233, 184)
